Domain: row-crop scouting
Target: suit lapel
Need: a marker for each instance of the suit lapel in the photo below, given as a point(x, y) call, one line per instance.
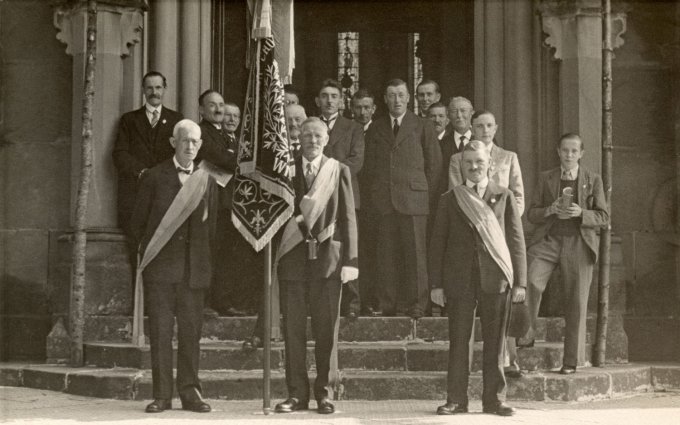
point(408, 124)
point(338, 130)
point(581, 180)
point(491, 192)
point(172, 175)
point(384, 128)
point(554, 182)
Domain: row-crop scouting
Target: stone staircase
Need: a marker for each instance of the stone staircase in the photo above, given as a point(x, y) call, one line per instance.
point(379, 359)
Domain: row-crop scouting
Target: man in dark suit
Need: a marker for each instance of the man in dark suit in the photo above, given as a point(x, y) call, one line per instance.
point(363, 108)
point(317, 254)
point(460, 112)
point(346, 144)
point(142, 143)
point(438, 114)
point(566, 236)
point(477, 259)
point(295, 116)
point(427, 94)
point(403, 166)
point(219, 148)
point(177, 203)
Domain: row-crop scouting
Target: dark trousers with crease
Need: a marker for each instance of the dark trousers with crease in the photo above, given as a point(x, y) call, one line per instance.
point(493, 310)
point(323, 296)
point(402, 262)
point(166, 301)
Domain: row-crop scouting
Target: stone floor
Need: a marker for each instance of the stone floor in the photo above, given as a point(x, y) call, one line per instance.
point(32, 406)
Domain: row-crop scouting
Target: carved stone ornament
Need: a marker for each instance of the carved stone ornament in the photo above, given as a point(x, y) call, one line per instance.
point(558, 16)
point(124, 23)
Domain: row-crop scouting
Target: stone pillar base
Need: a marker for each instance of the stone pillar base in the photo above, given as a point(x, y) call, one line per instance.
point(108, 289)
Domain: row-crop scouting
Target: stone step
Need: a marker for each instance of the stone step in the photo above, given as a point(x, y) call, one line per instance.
point(384, 356)
point(135, 384)
point(119, 329)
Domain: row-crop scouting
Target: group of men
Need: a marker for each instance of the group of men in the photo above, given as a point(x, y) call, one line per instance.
point(427, 207)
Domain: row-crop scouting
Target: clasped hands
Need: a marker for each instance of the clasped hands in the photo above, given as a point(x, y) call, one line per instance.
point(572, 211)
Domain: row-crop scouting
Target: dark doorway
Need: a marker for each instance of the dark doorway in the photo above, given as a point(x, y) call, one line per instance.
point(445, 47)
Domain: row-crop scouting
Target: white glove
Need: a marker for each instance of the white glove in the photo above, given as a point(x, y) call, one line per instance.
point(437, 296)
point(348, 274)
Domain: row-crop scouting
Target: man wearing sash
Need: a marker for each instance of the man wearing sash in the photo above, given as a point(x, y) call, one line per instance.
point(317, 254)
point(477, 259)
point(174, 220)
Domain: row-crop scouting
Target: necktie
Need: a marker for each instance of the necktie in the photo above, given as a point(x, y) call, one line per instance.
point(154, 118)
point(462, 143)
point(395, 127)
point(182, 170)
point(309, 175)
point(476, 189)
point(566, 175)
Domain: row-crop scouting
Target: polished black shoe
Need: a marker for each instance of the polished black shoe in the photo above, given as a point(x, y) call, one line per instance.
point(352, 315)
point(513, 373)
point(416, 313)
point(500, 409)
point(452, 409)
point(291, 405)
point(324, 406)
point(159, 405)
point(568, 370)
point(252, 343)
point(198, 406)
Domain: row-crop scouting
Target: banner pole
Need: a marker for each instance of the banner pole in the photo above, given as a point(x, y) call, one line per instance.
point(266, 359)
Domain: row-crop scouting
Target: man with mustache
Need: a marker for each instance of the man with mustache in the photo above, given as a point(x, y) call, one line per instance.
point(295, 116)
point(220, 148)
point(143, 142)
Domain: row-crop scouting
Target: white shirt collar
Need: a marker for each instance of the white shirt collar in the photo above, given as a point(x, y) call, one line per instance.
point(316, 164)
point(399, 119)
point(331, 120)
point(177, 165)
point(481, 186)
point(441, 135)
point(368, 124)
point(217, 125)
point(573, 173)
point(150, 109)
point(457, 136)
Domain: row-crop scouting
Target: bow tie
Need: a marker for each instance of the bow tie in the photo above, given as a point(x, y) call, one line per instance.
point(182, 170)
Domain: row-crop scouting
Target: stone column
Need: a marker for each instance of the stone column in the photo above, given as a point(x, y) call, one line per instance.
point(574, 30)
point(506, 77)
point(119, 25)
point(163, 45)
point(194, 37)
point(117, 89)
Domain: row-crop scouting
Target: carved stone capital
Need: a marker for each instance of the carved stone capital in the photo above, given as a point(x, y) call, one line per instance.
point(559, 18)
point(119, 23)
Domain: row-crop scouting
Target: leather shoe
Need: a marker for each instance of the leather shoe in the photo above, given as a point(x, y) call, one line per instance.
point(252, 343)
point(568, 370)
point(324, 406)
point(159, 405)
point(234, 312)
point(291, 405)
point(525, 342)
point(452, 409)
point(514, 373)
point(500, 409)
point(352, 315)
point(198, 406)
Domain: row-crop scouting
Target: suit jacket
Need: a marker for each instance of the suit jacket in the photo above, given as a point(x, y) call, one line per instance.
point(218, 150)
point(403, 172)
point(157, 190)
point(346, 144)
point(448, 147)
point(339, 250)
point(454, 244)
point(590, 198)
point(137, 147)
point(503, 170)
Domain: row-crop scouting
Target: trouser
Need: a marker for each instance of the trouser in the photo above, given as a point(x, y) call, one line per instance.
point(167, 301)
point(368, 242)
point(324, 303)
point(576, 264)
point(493, 310)
point(402, 262)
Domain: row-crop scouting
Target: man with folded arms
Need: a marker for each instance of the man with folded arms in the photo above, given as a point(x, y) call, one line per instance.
point(477, 259)
point(174, 220)
point(317, 254)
